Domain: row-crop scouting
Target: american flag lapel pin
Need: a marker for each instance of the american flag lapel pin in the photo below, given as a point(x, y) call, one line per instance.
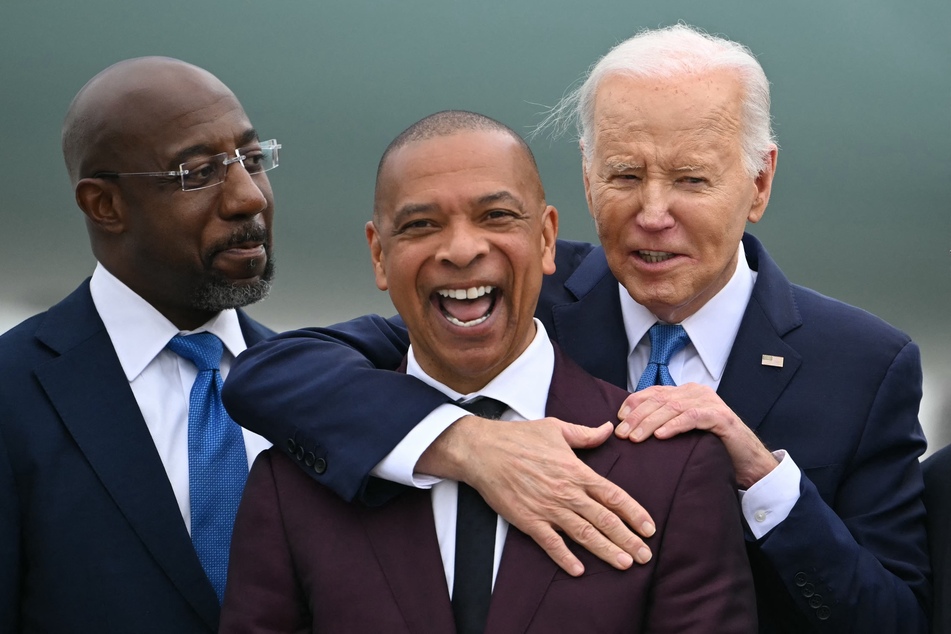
point(772, 361)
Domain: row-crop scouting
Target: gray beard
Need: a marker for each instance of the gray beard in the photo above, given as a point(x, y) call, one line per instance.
point(220, 294)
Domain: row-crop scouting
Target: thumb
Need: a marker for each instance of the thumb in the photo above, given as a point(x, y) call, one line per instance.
point(583, 437)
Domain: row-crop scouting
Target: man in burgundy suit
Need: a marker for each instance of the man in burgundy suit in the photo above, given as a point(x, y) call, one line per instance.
point(461, 238)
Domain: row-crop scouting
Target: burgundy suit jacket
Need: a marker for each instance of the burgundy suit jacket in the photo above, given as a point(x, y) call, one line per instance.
point(303, 560)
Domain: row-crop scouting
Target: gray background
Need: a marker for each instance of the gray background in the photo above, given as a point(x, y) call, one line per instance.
point(861, 103)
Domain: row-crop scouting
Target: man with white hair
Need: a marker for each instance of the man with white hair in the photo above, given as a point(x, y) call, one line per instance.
point(815, 401)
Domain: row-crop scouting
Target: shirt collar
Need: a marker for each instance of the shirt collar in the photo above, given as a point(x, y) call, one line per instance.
point(139, 332)
point(712, 329)
point(523, 385)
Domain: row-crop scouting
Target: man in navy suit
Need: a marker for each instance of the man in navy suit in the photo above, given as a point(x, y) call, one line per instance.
point(816, 402)
point(460, 213)
point(94, 448)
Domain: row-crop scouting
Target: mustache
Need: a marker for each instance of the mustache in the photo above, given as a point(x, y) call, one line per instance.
point(249, 232)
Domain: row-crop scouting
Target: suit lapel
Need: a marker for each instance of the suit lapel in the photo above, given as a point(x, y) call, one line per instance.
point(403, 536)
point(526, 571)
point(749, 387)
point(591, 329)
point(90, 392)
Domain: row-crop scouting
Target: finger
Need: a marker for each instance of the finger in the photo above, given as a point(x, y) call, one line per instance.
point(641, 421)
point(553, 544)
point(583, 437)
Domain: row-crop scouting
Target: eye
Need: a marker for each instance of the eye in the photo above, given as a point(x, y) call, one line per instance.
point(500, 214)
point(692, 181)
point(254, 160)
point(199, 174)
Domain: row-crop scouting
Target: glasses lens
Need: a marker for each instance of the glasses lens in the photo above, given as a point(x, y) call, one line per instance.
point(262, 157)
point(204, 172)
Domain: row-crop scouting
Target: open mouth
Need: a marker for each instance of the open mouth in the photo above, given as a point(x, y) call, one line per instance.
point(653, 257)
point(467, 307)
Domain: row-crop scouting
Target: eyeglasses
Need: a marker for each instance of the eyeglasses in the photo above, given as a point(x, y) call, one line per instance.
point(210, 171)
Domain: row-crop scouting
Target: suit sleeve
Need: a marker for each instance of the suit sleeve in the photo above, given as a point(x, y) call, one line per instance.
point(703, 581)
point(329, 398)
point(262, 595)
point(862, 564)
point(9, 545)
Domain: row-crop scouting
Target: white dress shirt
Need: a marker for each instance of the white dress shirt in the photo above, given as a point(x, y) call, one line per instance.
point(523, 386)
point(712, 331)
point(161, 381)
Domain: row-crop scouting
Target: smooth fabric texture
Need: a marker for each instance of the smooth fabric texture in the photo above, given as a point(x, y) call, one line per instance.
point(217, 462)
point(666, 339)
point(379, 569)
point(475, 542)
point(91, 536)
point(844, 404)
point(937, 472)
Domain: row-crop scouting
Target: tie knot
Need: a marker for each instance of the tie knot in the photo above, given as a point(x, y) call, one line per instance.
point(203, 349)
point(485, 407)
point(666, 340)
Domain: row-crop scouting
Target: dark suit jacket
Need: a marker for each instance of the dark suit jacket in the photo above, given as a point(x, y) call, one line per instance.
point(937, 470)
point(91, 537)
point(851, 556)
point(304, 560)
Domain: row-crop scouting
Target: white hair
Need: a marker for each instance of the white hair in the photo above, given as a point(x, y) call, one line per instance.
point(668, 52)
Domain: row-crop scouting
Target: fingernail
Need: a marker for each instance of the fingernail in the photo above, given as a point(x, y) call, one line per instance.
point(576, 570)
point(643, 555)
point(623, 429)
point(638, 433)
point(647, 529)
point(624, 412)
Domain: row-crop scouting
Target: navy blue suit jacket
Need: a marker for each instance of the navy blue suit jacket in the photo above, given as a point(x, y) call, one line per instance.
point(937, 470)
point(91, 537)
point(852, 554)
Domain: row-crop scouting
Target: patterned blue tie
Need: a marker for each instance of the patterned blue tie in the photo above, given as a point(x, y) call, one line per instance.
point(217, 461)
point(666, 339)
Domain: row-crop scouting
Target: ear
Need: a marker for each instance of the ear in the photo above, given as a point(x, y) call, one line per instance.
point(376, 255)
point(764, 186)
point(101, 202)
point(549, 239)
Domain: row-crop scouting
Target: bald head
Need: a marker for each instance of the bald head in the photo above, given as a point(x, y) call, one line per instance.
point(124, 104)
point(447, 123)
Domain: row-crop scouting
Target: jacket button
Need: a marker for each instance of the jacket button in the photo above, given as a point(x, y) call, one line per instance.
point(309, 458)
point(815, 602)
point(800, 579)
point(300, 452)
point(823, 612)
point(320, 465)
point(291, 445)
point(808, 590)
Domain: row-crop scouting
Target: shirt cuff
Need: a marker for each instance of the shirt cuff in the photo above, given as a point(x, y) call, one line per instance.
point(400, 464)
point(768, 502)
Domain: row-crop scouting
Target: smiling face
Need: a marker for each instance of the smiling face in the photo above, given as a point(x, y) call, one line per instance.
point(667, 187)
point(461, 239)
point(188, 253)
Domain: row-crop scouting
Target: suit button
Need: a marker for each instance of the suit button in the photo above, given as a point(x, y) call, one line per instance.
point(320, 465)
point(800, 579)
point(815, 602)
point(291, 445)
point(808, 590)
point(300, 452)
point(309, 458)
point(823, 612)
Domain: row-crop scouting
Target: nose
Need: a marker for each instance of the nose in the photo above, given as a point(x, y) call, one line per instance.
point(654, 214)
point(462, 244)
point(243, 194)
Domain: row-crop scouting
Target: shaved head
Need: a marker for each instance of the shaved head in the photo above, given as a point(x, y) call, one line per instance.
point(122, 104)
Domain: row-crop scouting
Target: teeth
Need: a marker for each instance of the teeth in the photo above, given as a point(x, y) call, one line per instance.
point(465, 293)
point(654, 256)
point(466, 324)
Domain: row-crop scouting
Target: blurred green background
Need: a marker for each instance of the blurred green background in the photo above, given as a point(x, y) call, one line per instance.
point(861, 105)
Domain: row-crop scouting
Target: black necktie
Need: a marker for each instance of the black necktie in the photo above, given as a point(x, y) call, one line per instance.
point(475, 543)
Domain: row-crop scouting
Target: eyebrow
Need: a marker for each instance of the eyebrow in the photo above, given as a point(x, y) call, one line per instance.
point(203, 149)
point(500, 196)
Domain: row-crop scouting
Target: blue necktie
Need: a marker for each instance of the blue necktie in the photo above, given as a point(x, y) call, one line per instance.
point(475, 543)
point(217, 461)
point(666, 339)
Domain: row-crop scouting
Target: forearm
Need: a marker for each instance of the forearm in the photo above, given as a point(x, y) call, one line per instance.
point(328, 399)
